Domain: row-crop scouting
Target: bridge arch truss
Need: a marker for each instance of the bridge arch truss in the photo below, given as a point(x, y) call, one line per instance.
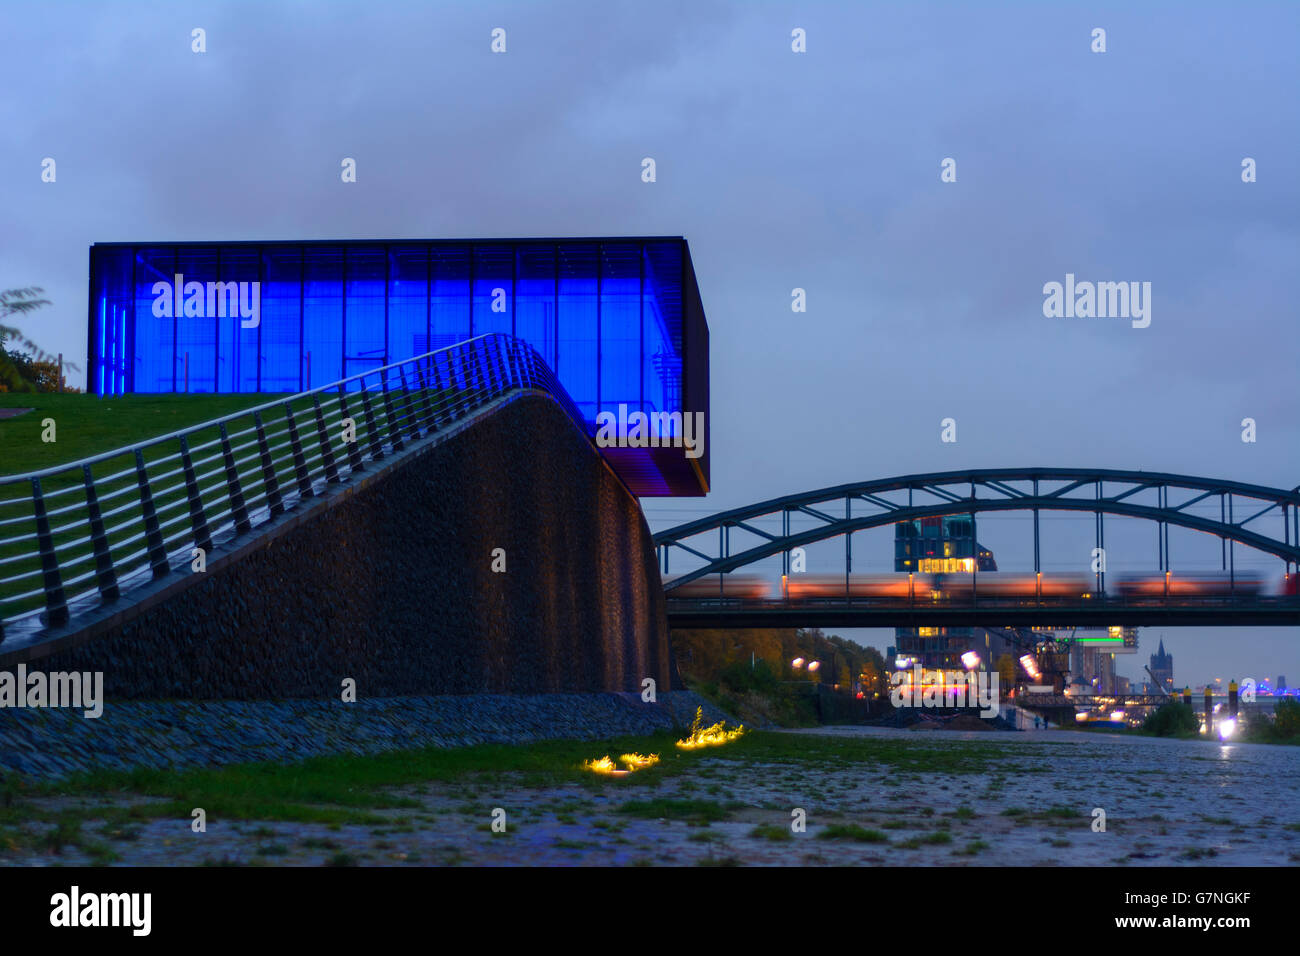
point(1265, 519)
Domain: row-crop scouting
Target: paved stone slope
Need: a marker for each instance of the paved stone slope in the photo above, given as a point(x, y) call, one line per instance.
point(47, 744)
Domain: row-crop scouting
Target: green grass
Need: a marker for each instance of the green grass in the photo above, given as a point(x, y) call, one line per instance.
point(770, 831)
point(345, 788)
point(87, 426)
point(930, 839)
point(851, 831)
point(840, 753)
point(364, 790)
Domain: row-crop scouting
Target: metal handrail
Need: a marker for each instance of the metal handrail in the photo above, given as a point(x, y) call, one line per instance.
point(259, 463)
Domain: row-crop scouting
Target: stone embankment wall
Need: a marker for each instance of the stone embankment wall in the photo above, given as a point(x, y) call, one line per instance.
point(49, 744)
point(391, 584)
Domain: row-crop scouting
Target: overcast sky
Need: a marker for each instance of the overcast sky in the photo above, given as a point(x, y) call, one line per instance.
point(817, 170)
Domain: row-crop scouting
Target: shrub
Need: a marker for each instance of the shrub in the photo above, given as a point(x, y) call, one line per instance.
point(1172, 719)
point(1286, 717)
point(739, 676)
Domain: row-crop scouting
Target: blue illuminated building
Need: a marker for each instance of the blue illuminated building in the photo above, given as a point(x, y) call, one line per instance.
point(620, 320)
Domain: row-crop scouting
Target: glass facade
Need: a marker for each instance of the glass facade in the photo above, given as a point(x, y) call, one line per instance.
point(940, 545)
point(945, 545)
point(619, 320)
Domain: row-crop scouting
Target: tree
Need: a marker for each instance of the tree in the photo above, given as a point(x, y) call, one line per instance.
point(1172, 719)
point(19, 371)
point(1286, 717)
point(1007, 670)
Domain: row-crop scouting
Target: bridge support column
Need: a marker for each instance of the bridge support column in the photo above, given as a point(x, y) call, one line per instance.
point(848, 546)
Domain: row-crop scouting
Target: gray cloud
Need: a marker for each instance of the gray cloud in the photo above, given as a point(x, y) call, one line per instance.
point(819, 171)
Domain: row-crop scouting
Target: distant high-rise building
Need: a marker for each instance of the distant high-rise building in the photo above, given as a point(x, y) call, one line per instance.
point(1280, 685)
point(945, 545)
point(1162, 666)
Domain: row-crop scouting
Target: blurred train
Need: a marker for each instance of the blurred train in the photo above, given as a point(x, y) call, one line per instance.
point(1054, 588)
point(1189, 585)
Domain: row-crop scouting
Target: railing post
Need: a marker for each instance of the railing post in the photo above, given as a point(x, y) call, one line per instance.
point(515, 359)
point(426, 401)
point(198, 519)
point(299, 459)
point(153, 534)
point(507, 352)
point(354, 447)
point(238, 510)
point(521, 361)
point(489, 366)
point(526, 362)
point(326, 451)
point(474, 376)
point(501, 356)
point(376, 446)
point(467, 371)
point(56, 605)
point(394, 432)
point(107, 579)
point(434, 395)
point(438, 387)
point(410, 410)
point(272, 483)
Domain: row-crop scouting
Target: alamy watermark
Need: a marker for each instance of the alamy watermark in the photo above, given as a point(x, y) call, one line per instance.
point(179, 298)
point(652, 430)
point(77, 909)
point(1101, 300)
point(79, 690)
point(921, 687)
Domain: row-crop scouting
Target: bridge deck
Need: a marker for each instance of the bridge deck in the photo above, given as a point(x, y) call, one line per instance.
point(855, 612)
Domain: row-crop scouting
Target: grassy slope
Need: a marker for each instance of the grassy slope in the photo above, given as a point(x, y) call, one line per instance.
point(87, 425)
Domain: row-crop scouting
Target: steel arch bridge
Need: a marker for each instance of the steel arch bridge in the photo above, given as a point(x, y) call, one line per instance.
point(1255, 516)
